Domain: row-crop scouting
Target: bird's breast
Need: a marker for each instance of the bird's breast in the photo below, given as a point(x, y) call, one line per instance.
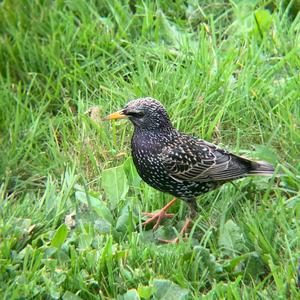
point(145, 153)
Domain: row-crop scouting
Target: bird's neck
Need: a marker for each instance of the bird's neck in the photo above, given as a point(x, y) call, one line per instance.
point(148, 139)
point(166, 131)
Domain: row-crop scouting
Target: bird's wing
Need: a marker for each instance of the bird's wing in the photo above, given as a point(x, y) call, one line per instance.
point(196, 160)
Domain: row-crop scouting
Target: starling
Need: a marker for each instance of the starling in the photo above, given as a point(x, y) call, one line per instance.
point(179, 164)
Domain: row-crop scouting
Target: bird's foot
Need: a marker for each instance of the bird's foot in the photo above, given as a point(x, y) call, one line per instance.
point(181, 233)
point(159, 215)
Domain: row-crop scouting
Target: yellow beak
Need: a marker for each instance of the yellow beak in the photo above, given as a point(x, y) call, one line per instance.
point(116, 115)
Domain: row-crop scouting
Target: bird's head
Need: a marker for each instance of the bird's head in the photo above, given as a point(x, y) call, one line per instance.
point(144, 113)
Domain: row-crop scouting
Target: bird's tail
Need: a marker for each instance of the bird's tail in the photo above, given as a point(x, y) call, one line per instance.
point(261, 168)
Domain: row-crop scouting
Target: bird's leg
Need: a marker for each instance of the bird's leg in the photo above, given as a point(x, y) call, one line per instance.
point(193, 210)
point(181, 233)
point(159, 215)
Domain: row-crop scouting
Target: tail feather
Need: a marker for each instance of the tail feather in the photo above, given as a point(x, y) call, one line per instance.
point(261, 168)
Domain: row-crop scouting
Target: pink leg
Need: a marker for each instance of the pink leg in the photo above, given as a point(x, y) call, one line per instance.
point(159, 215)
point(181, 233)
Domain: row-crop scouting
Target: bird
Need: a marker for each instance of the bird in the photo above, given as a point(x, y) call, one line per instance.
point(177, 163)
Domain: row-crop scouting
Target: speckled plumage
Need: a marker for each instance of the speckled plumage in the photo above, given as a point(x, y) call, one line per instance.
point(179, 164)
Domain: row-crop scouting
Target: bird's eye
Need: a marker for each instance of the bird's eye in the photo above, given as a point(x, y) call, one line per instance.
point(136, 114)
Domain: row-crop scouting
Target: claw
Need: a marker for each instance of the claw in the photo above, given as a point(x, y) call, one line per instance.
point(173, 241)
point(148, 214)
point(159, 215)
point(181, 233)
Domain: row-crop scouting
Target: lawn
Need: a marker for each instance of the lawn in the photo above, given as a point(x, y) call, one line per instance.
point(70, 198)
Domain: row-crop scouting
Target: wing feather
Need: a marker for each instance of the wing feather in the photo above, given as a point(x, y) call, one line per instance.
point(196, 160)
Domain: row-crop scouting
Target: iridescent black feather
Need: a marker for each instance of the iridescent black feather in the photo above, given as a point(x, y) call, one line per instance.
point(179, 164)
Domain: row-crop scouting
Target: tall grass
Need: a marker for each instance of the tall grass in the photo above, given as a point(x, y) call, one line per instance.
point(226, 72)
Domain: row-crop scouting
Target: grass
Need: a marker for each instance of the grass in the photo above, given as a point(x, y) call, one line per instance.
point(70, 222)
